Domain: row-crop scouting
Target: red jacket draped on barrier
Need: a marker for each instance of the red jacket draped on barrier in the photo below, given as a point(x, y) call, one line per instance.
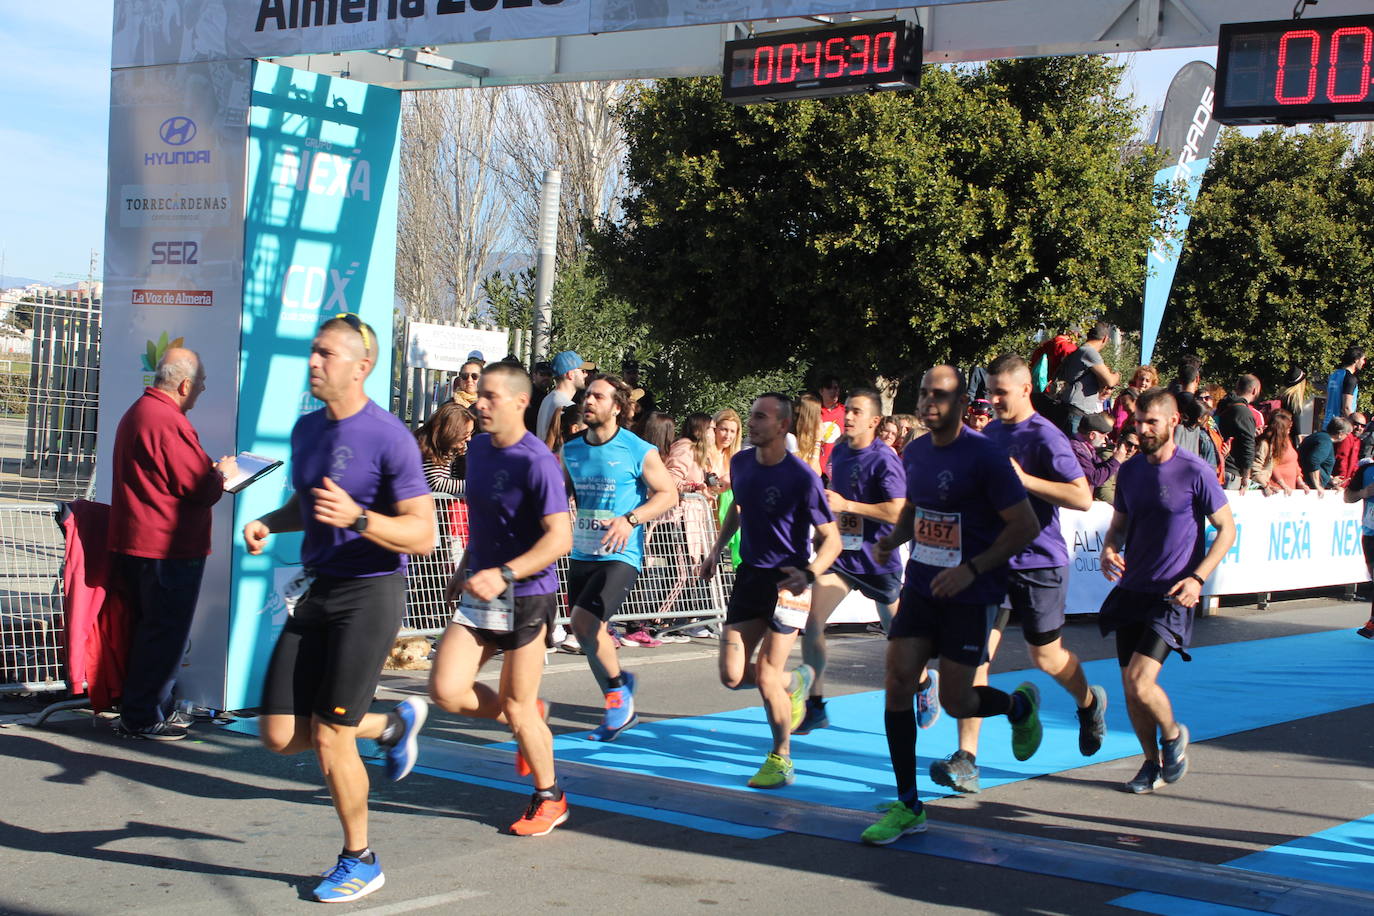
point(97, 619)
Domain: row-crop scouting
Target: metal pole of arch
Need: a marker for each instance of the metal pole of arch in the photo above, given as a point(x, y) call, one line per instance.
point(543, 277)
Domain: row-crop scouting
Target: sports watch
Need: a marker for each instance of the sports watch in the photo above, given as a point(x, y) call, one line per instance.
point(360, 523)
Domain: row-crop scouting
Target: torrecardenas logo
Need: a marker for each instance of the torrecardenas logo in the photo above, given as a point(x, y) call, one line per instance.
point(177, 131)
point(155, 349)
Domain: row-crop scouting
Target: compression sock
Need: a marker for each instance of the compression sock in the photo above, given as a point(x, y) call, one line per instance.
point(900, 725)
point(993, 702)
point(617, 681)
point(392, 731)
point(815, 702)
point(552, 793)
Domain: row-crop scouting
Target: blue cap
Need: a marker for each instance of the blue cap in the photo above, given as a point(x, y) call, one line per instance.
point(566, 362)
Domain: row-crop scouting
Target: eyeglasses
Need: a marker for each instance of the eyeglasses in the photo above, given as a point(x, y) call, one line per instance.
point(1204, 397)
point(1131, 446)
point(357, 324)
point(470, 375)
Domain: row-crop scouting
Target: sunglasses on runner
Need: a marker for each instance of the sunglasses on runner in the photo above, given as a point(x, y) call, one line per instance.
point(357, 324)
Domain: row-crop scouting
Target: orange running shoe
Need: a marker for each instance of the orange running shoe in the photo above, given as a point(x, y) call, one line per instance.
point(521, 767)
point(541, 816)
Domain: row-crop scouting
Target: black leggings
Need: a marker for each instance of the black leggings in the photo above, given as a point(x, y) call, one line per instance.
point(1141, 638)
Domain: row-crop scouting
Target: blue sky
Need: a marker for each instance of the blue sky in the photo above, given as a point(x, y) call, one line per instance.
point(54, 119)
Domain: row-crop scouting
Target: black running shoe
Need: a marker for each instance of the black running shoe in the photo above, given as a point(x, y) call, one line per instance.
point(957, 772)
point(1092, 723)
point(162, 731)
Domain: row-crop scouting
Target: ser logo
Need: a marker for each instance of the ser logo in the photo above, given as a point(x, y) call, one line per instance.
point(169, 252)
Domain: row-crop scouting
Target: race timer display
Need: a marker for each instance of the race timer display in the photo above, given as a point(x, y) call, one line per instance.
point(821, 62)
point(1296, 70)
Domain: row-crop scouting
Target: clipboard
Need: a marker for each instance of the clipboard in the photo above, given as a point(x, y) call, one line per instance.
point(251, 468)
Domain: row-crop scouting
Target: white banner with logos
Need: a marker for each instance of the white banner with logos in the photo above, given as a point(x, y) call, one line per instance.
point(1283, 543)
point(442, 346)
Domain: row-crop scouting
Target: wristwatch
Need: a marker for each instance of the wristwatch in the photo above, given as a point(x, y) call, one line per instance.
point(810, 576)
point(360, 523)
point(506, 573)
point(632, 519)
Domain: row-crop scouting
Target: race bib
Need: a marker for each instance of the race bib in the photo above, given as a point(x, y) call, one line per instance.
point(497, 615)
point(793, 610)
point(851, 531)
point(938, 538)
point(295, 589)
point(590, 529)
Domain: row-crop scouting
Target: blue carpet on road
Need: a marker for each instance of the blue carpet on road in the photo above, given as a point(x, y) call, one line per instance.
point(1224, 690)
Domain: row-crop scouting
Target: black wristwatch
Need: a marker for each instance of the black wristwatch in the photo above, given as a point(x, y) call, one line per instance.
point(632, 519)
point(507, 573)
point(810, 576)
point(1198, 579)
point(360, 523)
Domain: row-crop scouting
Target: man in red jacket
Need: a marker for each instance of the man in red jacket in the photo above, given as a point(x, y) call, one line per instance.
point(164, 488)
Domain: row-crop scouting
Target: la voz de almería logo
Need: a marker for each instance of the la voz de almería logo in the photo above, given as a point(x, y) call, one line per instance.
point(177, 131)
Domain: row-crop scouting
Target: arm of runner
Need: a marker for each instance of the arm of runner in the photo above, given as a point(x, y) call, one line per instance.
point(410, 530)
point(556, 541)
point(1188, 590)
point(728, 526)
point(287, 518)
point(900, 534)
point(662, 498)
point(1020, 529)
point(1075, 494)
point(886, 512)
point(827, 549)
point(1113, 563)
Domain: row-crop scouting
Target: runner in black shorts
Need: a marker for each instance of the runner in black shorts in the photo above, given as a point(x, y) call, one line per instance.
point(505, 587)
point(363, 502)
point(867, 493)
point(778, 501)
point(1154, 551)
point(966, 514)
point(1037, 586)
point(620, 482)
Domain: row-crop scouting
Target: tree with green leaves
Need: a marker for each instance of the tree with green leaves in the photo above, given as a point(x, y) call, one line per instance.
point(1278, 267)
point(878, 234)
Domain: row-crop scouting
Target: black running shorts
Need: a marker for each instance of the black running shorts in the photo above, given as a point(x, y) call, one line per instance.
point(599, 586)
point(957, 630)
point(1039, 596)
point(534, 616)
point(755, 597)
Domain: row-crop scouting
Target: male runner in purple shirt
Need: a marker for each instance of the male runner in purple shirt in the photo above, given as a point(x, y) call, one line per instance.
point(1039, 580)
point(1154, 551)
point(966, 514)
point(778, 500)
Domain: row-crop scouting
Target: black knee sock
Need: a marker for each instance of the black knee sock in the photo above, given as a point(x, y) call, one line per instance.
point(900, 725)
point(992, 702)
point(815, 702)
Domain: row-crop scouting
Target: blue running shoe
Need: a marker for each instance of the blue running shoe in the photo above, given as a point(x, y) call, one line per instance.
point(620, 712)
point(349, 880)
point(402, 754)
point(928, 702)
point(815, 718)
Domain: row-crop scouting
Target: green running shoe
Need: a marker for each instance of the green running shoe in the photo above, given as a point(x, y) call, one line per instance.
point(895, 824)
point(1026, 734)
point(802, 679)
point(775, 773)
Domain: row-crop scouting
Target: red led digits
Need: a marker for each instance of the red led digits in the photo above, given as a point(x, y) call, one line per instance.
point(1366, 36)
point(763, 73)
point(1315, 53)
point(818, 63)
point(861, 55)
point(787, 52)
point(879, 64)
point(838, 58)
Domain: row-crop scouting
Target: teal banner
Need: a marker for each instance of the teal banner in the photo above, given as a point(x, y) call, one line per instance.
point(1162, 262)
point(319, 239)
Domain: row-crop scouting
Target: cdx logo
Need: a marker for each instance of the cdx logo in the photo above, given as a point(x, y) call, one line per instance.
point(177, 131)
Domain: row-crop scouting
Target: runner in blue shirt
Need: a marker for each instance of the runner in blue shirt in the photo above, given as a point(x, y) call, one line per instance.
point(867, 493)
point(966, 515)
point(619, 482)
point(778, 501)
point(1038, 583)
point(1361, 487)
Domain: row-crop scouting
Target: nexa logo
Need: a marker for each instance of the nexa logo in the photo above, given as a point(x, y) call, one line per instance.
point(177, 131)
point(176, 253)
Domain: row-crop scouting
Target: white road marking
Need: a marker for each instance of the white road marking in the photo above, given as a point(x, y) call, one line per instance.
point(423, 903)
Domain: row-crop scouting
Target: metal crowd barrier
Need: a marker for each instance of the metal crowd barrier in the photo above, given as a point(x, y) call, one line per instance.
point(32, 652)
point(667, 588)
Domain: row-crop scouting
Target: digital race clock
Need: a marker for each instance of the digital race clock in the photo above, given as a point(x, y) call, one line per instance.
point(822, 62)
point(1296, 70)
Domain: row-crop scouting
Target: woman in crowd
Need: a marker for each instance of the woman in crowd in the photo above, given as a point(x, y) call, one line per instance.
point(1143, 379)
point(1123, 412)
point(693, 458)
point(808, 428)
point(569, 424)
point(728, 427)
point(443, 441)
point(465, 383)
point(658, 432)
point(1292, 394)
point(889, 434)
point(1276, 458)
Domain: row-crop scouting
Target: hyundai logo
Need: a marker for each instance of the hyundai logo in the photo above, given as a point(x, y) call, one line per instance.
point(177, 131)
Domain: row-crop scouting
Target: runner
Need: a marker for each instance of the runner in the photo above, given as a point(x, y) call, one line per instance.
point(362, 500)
point(1162, 496)
point(505, 587)
point(1361, 487)
point(968, 515)
point(620, 483)
point(778, 499)
point(868, 492)
point(1039, 579)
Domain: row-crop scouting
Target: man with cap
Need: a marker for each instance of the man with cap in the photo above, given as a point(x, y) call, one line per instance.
point(1086, 443)
point(541, 377)
point(570, 377)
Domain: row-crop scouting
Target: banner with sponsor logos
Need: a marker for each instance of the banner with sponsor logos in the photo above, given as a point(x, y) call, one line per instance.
point(174, 277)
point(169, 31)
point(1283, 543)
point(319, 239)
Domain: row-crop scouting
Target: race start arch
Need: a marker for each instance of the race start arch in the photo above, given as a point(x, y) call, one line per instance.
point(253, 158)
